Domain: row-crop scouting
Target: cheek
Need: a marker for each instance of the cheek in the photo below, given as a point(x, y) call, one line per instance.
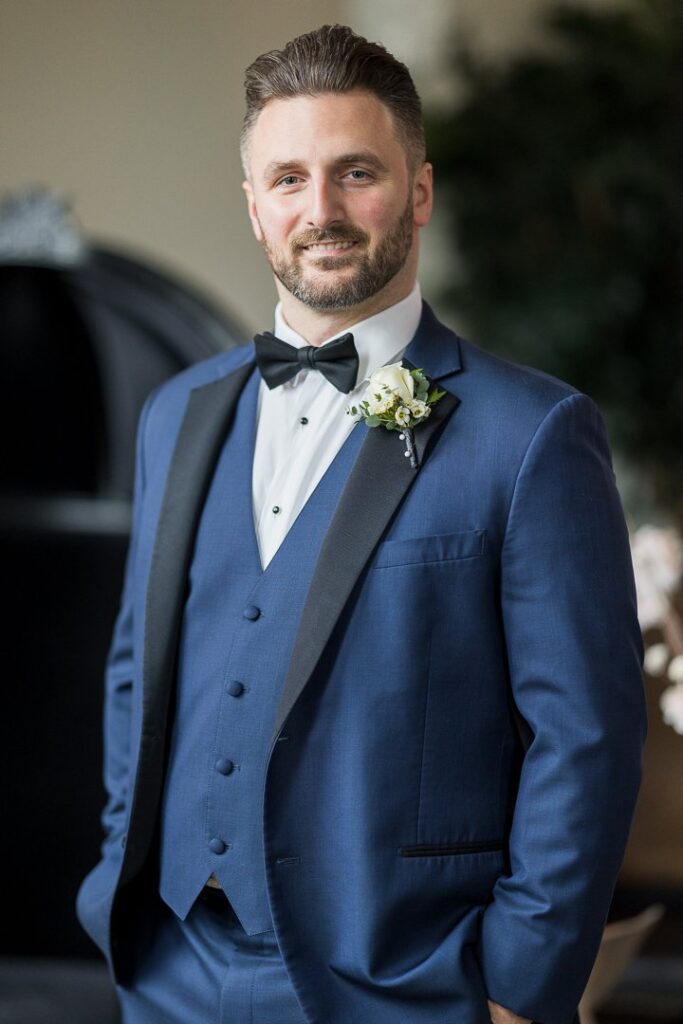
point(276, 223)
point(375, 214)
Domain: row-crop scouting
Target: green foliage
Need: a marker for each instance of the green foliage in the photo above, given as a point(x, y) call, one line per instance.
point(434, 396)
point(561, 175)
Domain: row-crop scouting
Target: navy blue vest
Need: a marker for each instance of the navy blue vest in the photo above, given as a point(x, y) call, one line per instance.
point(237, 634)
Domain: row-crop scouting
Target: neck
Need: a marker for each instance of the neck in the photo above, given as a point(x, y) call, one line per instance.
point(317, 325)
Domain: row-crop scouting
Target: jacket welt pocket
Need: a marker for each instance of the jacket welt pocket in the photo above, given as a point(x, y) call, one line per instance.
point(448, 849)
point(440, 547)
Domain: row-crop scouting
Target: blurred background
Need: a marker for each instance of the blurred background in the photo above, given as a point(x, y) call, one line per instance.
point(556, 131)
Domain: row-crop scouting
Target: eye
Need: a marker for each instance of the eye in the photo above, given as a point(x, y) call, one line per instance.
point(358, 171)
point(289, 179)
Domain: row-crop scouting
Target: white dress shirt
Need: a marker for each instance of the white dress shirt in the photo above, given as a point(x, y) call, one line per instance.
point(302, 424)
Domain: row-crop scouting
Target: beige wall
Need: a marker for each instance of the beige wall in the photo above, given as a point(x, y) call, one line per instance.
point(133, 109)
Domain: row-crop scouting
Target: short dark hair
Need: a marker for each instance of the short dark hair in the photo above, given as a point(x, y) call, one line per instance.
point(333, 59)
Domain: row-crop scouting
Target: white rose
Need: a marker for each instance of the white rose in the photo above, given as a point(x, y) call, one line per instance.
point(397, 378)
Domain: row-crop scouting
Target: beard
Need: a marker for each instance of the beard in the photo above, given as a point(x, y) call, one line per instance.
point(372, 272)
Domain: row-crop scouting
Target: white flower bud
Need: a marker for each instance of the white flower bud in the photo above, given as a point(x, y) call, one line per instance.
point(419, 409)
point(376, 397)
point(675, 670)
point(658, 565)
point(671, 704)
point(656, 659)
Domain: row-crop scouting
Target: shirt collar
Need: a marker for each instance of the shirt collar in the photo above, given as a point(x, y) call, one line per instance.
point(379, 339)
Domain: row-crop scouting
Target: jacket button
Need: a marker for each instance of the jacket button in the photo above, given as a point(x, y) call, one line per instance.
point(224, 765)
point(235, 688)
point(217, 846)
point(251, 612)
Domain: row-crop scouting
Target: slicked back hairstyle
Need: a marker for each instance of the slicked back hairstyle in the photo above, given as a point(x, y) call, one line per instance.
point(333, 59)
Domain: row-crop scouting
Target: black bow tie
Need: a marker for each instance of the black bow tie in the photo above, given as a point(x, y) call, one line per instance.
point(278, 361)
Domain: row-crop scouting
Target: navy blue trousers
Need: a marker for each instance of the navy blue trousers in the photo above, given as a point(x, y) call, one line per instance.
point(206, 970)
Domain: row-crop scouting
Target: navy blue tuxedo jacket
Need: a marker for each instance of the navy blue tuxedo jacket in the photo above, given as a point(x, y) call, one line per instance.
point(460, 612)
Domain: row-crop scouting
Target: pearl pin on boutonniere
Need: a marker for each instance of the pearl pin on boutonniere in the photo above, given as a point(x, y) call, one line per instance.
point(397, 399)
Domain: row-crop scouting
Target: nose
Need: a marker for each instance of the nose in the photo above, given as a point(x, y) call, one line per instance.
point(325, 208)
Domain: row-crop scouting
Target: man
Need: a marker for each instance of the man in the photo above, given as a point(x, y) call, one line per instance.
point(336, 639)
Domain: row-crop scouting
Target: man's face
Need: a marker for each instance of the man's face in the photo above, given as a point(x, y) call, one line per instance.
point(331, 198)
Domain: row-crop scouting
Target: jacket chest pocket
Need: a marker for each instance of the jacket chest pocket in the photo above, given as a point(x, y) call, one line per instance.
point(452, 849)
point(439, 547)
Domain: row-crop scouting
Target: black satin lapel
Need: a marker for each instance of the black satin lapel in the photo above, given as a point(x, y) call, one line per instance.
point(380, 477)
point(209, 412)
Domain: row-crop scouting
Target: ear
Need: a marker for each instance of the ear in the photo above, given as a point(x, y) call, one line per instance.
point(251, 209)
point(423, 195)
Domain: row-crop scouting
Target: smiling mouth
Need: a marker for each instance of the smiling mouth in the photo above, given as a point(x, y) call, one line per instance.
point(327, 247)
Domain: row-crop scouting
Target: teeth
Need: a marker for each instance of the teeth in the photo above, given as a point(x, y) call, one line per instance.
point(327, 246)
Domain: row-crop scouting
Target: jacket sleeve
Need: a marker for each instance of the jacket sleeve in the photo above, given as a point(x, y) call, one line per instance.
point(575, 655)
point(119, 672)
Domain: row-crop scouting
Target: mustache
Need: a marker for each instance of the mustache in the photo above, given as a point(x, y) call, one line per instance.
point(332, 235)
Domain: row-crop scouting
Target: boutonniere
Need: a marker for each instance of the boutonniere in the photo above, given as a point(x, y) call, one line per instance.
point(398, 399)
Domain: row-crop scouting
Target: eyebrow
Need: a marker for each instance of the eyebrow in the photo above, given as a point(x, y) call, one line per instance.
point(362, 156)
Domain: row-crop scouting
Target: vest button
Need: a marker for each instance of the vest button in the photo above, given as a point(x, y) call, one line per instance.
point(224, 765)
point(235, 687)
point(217, 846)
point(251, 612)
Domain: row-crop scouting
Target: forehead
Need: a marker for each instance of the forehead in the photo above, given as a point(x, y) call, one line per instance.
point(319, 128)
